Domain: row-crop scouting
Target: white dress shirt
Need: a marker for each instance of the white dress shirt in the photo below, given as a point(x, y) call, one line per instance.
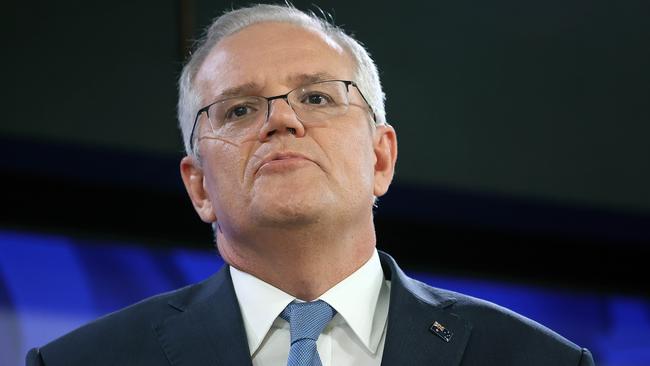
point(355, 336)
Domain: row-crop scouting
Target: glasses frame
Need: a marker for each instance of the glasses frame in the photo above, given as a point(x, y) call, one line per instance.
point(281, 96)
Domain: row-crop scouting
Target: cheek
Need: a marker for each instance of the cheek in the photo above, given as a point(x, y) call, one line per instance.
point(355, 160)
point(224, 172)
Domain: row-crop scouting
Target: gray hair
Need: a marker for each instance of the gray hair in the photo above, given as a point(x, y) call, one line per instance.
point(189, 100)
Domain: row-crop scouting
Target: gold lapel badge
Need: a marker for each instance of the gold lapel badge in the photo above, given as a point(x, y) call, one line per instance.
point(442, 332)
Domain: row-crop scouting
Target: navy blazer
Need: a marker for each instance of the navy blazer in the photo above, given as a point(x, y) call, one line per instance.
point(201, 324)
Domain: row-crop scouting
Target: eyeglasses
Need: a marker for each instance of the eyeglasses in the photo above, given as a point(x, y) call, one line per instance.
point(314, 104)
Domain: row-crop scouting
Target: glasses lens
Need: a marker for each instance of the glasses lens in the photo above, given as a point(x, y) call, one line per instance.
point(319, 102)
point(313, 104)
point(235, 117)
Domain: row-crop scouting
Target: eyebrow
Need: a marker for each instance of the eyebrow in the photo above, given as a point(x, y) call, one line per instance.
point(293, 79)
point(239, 90)
point(304, 78)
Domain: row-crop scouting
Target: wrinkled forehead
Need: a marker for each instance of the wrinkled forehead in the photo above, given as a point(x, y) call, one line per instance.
point(270, 55)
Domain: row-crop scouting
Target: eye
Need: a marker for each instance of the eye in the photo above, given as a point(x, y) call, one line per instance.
point(238, 112)
point(316, 99)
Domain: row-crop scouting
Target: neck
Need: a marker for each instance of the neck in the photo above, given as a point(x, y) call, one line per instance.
point(303, 262)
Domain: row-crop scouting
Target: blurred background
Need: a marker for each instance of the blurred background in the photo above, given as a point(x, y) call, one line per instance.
point(523, 174)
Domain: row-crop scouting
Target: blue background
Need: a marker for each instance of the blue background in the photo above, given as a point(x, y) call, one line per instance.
point(50, 285)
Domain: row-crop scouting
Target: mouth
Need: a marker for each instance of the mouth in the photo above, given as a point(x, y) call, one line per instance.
point(282, 161)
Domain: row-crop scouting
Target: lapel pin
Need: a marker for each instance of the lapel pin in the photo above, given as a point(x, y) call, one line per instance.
point(442, 332)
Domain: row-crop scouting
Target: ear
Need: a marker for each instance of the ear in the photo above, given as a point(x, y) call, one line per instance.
point(385, 147)
point(194, 184)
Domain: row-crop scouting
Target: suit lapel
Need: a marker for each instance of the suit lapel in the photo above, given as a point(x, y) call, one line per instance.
point(421, 328)
point(208, 330)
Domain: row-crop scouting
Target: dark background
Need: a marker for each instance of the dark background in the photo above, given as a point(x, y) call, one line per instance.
point(523, 131)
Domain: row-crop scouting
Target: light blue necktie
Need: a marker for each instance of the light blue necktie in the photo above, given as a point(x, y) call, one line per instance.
point(306, 322)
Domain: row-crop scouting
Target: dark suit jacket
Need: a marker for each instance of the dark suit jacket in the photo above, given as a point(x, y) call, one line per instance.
point(201, 324)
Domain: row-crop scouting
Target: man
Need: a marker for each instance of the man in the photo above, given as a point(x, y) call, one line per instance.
point(284, 126)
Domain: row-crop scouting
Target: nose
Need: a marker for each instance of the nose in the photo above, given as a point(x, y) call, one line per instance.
point(281, 120)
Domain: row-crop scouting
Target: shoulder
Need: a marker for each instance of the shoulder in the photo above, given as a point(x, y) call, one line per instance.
point(502, 335)
point(120, 337)
point(489, 319)
point(493, 334)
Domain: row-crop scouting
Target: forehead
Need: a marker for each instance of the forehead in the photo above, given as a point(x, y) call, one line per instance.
point(271, 55)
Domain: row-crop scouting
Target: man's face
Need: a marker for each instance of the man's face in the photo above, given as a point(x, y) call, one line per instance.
point(285, 174)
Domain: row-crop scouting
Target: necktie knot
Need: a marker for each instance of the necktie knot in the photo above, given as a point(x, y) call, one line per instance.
point(307, 319)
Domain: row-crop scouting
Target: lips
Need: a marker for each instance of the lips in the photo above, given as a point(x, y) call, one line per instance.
point(276, 156)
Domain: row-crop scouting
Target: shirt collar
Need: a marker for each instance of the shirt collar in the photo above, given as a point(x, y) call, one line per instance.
point(361, 300)
point(260, 304)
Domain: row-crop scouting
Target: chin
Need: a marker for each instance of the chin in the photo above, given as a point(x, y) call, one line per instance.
point(290, 210)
